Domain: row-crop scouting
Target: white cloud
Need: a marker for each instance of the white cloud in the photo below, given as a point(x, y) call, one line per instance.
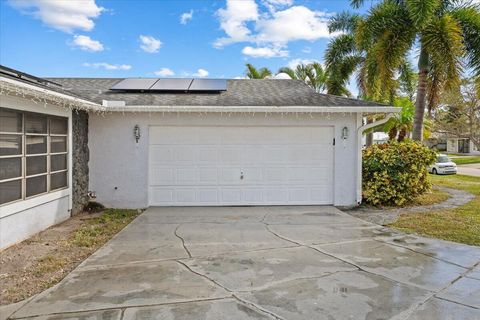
point(186, 16)
point(164, 72)
point(233, 20)
point(264, 52)
point(86, 43)
point(274, 5)
point(66, 16)
point(294, 23)
point(243, 22)
point(201, 73)
point(107, 66)
point(295, 62)
point(149, 44)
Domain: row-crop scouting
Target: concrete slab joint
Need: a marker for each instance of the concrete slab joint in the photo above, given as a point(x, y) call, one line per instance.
point(265, 263)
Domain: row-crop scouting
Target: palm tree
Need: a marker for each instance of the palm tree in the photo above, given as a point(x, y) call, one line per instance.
point(343, 57)
point(312, 74)
point(254, 73)
point(446, 32)
point(401, 124)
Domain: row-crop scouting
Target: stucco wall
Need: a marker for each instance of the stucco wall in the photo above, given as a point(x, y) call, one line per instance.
point(119, 165)
point(80, 157)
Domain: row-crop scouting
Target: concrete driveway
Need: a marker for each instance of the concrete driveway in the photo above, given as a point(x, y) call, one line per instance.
point(265, 263)
point(469, 169)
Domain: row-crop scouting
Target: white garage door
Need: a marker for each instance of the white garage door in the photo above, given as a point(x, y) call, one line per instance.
point(240, 165)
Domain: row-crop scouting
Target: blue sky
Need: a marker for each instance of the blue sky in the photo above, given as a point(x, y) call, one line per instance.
point(95, 38)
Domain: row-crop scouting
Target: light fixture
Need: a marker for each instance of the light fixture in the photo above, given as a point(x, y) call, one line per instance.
point(136, 132)
point(344, 133)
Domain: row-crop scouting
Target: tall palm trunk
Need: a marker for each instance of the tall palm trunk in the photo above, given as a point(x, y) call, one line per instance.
point(417, 133)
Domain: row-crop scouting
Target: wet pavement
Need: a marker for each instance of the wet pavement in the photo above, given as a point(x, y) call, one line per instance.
point(265, 263)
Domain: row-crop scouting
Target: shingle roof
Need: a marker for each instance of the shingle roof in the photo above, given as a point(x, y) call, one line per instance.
point(241, 92)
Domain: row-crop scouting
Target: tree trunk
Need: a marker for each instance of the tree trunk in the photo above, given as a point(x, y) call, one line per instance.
point(417, 133)
point(402, 134)
point(369, 138)
point(392, 134)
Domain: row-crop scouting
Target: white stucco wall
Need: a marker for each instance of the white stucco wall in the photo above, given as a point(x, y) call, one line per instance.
point(119, 165)
point(21, 219)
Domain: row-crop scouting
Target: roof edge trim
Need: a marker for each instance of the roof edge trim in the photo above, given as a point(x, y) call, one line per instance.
point(273, 109)
point(10, 85)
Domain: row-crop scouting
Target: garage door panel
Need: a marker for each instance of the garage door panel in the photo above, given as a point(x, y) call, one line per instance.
point(185, 195)
point(231, 195)
point(207, 154)
point(231, 155)
point(161, 154)
point(205, 165)
point(186, 154)
point(162, 176)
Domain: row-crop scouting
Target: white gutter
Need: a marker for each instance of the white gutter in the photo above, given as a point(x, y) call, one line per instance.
point(360, 132)
point(76, 102)
point(273, 109)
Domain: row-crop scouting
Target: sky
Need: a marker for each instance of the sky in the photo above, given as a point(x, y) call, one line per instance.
point(164, 38)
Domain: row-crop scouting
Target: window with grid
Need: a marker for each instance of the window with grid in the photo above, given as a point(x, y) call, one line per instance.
point(33, 154)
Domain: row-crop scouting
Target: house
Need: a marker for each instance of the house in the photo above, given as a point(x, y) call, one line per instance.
point(145, 142)
point(461, 145)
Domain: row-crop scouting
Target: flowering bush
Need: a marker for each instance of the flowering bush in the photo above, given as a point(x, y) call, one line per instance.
point(396, 172)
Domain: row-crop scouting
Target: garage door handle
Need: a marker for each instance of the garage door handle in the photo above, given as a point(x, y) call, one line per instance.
point(241, 175)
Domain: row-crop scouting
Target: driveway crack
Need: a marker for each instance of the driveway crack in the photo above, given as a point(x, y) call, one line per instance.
point(205, 277)
point(183, 240)
point(257, 308)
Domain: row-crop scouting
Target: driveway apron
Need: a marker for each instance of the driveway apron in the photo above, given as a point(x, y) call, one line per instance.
point(312, 262)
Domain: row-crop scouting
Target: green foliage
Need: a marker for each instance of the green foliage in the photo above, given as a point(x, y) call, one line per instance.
point(100, 228)
point(312, 74)
point(396, 173)
point(254, 73)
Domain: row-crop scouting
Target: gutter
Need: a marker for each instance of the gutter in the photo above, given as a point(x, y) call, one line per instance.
point(116, 106)
point(360, 132)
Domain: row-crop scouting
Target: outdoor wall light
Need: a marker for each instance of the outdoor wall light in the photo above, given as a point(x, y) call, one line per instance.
point(136, 132)
point(344, 133)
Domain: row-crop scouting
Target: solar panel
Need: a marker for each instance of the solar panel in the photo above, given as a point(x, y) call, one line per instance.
point(134, 84)
point(172, 84)
point(208, 85)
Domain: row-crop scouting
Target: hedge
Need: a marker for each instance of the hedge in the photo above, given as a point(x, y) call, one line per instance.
point(396, 172)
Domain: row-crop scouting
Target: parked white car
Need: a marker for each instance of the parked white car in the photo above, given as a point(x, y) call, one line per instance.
point(443, 165)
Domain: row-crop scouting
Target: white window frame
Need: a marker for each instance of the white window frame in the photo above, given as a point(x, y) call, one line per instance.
point(23, 155)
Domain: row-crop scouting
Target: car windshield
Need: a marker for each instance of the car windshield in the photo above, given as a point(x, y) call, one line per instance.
point(443, 159)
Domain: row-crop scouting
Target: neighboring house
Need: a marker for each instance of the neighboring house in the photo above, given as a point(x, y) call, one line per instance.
point(171, 142)
point(461, 145)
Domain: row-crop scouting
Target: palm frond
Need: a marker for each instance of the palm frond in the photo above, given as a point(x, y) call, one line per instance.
point(251, 72)
point(288, 71)
point(344, 22)
point(469, 19)
point(338, 48)
point(443, 41)
point(422, 11)
point(387, 16)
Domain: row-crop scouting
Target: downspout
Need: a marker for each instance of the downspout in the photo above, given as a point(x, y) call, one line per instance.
point(360, 131)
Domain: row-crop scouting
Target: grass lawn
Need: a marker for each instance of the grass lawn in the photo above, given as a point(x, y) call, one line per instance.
point(465, 159)
point(42, 261)
point(460, 225)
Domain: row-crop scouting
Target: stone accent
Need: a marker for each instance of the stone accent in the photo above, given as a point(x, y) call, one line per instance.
point(80, 157)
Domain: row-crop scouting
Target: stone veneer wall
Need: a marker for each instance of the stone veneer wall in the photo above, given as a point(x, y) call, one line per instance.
point(80, 157)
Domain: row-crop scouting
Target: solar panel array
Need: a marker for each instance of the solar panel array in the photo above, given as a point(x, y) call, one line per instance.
point(171, 84)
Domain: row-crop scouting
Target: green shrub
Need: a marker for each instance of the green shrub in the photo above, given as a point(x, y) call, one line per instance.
point(396, 172)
